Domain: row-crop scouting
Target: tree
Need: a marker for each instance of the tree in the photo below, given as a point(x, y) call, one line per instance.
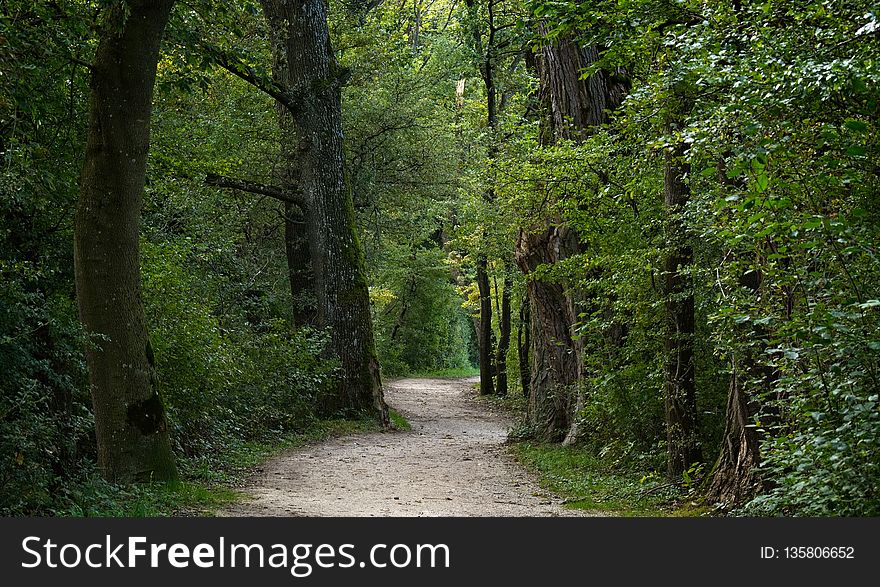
point(300, 37)
point(132, 435)
point(574, 107)
point(682, 442)
point(504, 327)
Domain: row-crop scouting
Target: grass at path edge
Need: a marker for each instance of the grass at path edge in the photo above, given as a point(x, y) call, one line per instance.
point(209, 483)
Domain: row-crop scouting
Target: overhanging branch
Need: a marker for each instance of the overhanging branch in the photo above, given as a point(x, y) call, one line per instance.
point(243, 185)
point(268, 87)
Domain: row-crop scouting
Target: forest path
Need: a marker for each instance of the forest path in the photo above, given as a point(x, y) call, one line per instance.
point(452, 463)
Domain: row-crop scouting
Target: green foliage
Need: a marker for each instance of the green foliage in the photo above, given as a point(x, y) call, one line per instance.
point(783, 219)
point(780, 132)
point(46, 428)
point(402, 167)
point(227, 381)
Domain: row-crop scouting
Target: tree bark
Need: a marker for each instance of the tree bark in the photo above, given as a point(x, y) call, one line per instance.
point(300, 37)
point(554, 364)
point(683, 446)
point(523, 345)
point(487, 71)
point(130, 422)
point(504, 335)
point(574, 106)
point(484, 328)
point(735, 479)
point(296, 242)
point(299, 266)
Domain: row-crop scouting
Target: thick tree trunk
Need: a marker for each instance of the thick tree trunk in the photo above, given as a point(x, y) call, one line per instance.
point(504, 336)
point(300, 35)
point(683, 446)
point(484, 328)
point(735, 479)
point(554, 364)
point(296, 243)
point(133, 442)
point(574, 107)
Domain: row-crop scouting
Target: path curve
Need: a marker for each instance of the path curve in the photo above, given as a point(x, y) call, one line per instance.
point(452, 463)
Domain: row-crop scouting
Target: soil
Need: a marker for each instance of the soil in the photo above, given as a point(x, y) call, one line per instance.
point(453, 462)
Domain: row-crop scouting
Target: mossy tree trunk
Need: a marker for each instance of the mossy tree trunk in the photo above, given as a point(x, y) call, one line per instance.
point(300, 36)
point(132, 436)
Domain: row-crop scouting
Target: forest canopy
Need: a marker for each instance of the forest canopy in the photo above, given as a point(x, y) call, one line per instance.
point(655, 221)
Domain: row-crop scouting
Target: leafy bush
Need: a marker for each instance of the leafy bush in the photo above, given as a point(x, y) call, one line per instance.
point(46, 427)
point(221, 378)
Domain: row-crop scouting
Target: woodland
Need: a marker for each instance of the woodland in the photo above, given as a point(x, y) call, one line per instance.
point(651, 226)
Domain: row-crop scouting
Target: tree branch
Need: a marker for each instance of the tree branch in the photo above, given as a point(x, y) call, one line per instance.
point(268, 87)
point(243, 185)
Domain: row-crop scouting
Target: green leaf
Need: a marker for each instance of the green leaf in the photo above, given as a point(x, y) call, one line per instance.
point(856, 151)
point(762, 181)
point(856, 125)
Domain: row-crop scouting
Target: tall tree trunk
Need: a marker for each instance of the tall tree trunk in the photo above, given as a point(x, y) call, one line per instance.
point(301, 36)
point(554, 366)
point(574, 106)
point(296, 243)
point(487, 70)
point(484, 328)
point(504, 334)
point(523, 345)
point(683, 446)
point(130, 423)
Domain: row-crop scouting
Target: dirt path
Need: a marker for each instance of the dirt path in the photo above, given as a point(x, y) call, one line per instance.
point(452, 463)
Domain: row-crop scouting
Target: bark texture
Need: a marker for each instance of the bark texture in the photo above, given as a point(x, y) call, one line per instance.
point(523, 340)
point(734, 479)
point(554, 361)
point(574, 107)
point(300, 37)
point(296, 218)
point(299, 266)
point(130, 423)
